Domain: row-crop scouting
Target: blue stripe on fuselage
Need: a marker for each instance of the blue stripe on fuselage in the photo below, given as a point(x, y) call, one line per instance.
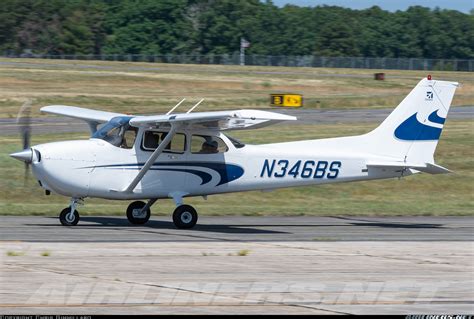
point(227, 172)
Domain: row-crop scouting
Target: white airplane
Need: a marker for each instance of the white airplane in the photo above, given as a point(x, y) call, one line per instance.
point(188, 154)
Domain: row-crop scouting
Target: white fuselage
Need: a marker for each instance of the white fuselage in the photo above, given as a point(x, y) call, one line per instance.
point(96, 168)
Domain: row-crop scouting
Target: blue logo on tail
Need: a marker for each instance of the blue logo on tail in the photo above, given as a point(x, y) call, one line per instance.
point(435, 118)
point(412, 130)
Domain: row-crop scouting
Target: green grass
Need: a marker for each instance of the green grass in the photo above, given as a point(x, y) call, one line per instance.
point(422, 194)
point(121, 87)
point(243, 252)
point(12, 253)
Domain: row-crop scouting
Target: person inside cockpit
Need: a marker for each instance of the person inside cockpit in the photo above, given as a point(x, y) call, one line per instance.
point(209, 147)
point(118, 132)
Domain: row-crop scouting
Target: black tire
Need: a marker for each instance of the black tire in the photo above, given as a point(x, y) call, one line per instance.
point(63, 217)
point(134, 219)
point(185, 217)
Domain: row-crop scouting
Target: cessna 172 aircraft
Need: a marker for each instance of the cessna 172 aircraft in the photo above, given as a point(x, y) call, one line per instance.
point(178, 155)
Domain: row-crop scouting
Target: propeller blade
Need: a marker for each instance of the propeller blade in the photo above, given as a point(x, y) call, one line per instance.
point(24, 124)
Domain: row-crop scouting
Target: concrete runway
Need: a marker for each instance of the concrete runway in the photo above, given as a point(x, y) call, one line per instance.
point(240, 229)
point(238, 265)
point(305, 116)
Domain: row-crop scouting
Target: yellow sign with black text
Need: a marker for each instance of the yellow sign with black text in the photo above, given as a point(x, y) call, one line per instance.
point(286, 100)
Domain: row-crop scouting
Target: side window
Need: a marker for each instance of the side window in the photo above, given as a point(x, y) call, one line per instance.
point(202, 144)
point(151, 140)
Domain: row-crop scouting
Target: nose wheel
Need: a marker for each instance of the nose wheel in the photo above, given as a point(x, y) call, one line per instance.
point(69, 216)
point(185, 217)
point(68, 219)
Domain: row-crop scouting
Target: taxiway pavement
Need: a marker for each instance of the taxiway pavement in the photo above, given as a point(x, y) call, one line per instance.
point(240, 229)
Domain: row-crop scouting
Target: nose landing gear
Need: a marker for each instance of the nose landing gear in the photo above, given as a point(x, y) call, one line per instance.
point(69, 216)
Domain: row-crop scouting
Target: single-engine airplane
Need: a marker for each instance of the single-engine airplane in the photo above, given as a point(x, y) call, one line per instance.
point(179, 155)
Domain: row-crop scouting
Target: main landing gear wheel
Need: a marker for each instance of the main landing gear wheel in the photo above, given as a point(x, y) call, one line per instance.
point(185, 217)
point(135, 214)
point(68, 219)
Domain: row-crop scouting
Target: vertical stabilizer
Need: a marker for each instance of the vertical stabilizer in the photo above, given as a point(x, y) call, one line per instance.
point(411, 132)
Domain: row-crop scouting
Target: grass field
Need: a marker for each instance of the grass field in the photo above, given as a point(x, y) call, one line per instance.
point(150, 88)
point(125, 87)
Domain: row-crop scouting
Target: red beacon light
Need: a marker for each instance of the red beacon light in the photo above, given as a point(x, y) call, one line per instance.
point(429, 77)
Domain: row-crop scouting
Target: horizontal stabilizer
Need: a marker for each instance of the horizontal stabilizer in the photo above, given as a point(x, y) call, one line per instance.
point(435, 169)
point(422, 167)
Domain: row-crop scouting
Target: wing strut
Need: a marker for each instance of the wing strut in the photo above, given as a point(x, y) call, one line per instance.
point(195, 106)
point(175, 107)
point(151, 160)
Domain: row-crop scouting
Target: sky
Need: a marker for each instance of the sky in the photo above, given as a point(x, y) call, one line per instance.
point(390, 5)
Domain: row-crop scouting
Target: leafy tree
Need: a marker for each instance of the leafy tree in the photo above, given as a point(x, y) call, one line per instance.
point(216, 26)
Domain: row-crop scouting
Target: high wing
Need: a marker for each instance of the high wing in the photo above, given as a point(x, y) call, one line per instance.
point(92, 117)
point(219, 120)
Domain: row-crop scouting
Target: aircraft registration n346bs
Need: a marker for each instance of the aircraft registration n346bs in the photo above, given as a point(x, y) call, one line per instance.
point(179, 155)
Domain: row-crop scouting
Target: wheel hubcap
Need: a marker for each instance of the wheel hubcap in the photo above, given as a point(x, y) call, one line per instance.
point(186, 217)
point(70, 217)
point(137, 214)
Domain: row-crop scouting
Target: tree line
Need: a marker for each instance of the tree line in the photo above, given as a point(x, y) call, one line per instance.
point(158, 27)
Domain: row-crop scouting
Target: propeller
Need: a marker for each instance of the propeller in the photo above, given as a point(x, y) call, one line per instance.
point(23, 121)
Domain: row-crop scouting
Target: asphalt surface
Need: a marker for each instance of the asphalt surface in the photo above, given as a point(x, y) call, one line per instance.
point(240, 229)
point(67, 125)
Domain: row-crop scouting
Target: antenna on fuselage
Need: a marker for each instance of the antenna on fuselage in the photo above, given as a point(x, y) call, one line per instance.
point(195, 106)
point(174, 107)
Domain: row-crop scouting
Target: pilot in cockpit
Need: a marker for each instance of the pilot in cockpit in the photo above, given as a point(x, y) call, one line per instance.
point(209, 147)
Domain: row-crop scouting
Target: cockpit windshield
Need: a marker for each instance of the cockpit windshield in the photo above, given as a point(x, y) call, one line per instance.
point(236, 142)
point(118, 132)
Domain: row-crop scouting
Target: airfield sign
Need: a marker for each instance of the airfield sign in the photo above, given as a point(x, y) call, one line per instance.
point(286, 100)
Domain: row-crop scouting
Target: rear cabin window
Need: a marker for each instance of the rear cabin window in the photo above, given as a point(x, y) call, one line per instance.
point(152, 139)
point(203, 144)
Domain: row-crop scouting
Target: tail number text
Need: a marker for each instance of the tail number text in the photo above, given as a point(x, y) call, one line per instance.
point(303, 169)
